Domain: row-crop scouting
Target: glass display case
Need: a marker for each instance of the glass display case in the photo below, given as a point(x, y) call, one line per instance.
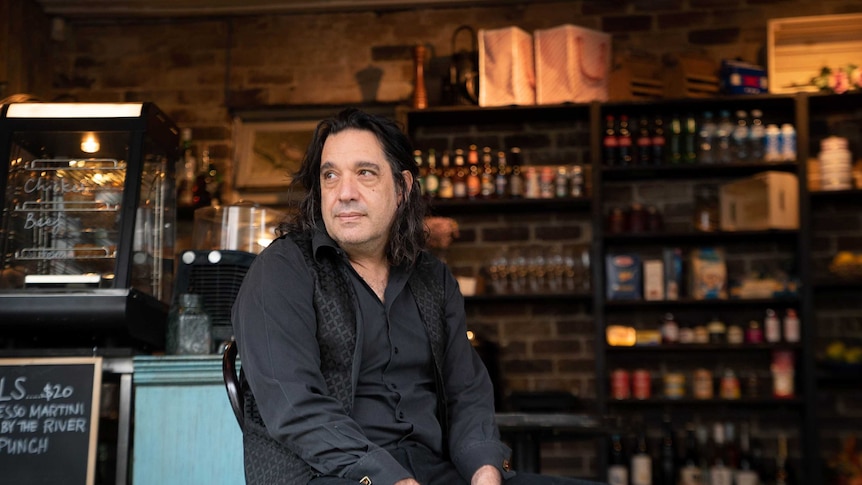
point(87, 229)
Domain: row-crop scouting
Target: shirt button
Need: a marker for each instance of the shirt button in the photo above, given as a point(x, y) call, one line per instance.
point(394, 386)
point(396, 350)
point(400, 414)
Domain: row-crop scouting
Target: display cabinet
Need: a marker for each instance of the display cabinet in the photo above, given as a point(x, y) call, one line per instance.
point(87, 225)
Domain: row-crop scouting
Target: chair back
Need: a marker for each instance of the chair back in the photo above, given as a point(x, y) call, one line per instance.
point(231, 382)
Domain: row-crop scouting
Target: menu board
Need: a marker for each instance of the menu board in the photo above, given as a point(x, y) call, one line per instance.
point(49, 416)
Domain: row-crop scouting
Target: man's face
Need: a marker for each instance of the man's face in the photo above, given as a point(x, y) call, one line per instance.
point(358, 192)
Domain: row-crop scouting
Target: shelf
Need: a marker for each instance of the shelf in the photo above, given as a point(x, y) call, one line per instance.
point(692, 171)
point(579, 297)
point(837, 283)
point(766, 402)
point(850, 195)
point(665, 304)
point(449, 116)
point(475, 206)
point(697, 348)
point(691, 237)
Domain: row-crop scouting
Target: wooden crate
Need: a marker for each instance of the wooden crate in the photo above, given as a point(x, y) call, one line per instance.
point(636, 76)
point(690, 76)
point(799, 47)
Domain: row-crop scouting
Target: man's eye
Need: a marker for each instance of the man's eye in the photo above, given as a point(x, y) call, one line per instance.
point(366, 173)
point(328, 175)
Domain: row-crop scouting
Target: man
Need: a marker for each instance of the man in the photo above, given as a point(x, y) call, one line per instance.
point(353, 339)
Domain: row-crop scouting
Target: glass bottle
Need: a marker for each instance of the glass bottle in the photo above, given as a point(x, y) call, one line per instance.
point(706, 211)
point(618, 472)
point(488, 174)
point(610, 143)
point(185, 170)
point(641, 462)
point(624, 142)
point(189, 327)
point(689, 469)
point(516, 179)
point(432, 179)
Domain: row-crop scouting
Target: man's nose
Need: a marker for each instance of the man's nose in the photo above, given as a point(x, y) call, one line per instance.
point(347, 188)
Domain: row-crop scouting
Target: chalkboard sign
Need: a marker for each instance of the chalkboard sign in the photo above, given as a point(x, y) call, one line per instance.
point(49, 416)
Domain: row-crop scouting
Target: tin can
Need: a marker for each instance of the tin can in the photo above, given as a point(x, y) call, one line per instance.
point(702, 388)
point(641, 384)
point(620, 384)
point(674, 385)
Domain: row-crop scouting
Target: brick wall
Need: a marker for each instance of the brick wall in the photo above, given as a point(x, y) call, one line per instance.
point(197, 70)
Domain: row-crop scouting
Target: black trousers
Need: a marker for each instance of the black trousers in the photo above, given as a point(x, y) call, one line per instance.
point(431, 470)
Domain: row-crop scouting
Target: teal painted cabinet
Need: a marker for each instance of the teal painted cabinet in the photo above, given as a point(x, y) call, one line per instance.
point(185, 432)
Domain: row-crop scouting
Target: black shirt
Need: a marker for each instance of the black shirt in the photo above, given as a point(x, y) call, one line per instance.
point(275, 327)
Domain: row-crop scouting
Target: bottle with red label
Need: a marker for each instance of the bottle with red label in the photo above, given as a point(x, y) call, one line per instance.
point(624, 142)
point(644, 143)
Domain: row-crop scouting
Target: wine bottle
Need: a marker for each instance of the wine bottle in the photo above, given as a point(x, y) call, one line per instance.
point(667, 456)
point(618, 471)
point(641, 462)
point(689, 470)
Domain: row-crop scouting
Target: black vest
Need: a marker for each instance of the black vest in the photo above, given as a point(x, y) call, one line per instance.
point(269, 462)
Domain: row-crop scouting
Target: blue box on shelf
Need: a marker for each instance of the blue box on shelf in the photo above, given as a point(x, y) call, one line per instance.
point(738, 77)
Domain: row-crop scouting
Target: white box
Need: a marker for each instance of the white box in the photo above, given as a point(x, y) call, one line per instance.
point(653, 279)
point(573, 65)
point(506, 71)
point(768, 200)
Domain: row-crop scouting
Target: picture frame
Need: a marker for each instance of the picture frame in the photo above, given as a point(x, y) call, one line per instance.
point(268, 152)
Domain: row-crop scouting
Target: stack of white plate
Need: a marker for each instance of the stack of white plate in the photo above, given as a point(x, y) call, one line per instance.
point(836, 171)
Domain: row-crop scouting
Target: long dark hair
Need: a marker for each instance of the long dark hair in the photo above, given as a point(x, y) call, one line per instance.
point(407, 235)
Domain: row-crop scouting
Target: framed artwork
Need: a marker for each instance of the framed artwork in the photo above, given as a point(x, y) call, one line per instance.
point(268, 152)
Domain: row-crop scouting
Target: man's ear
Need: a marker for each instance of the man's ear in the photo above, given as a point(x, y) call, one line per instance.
point(408, 182)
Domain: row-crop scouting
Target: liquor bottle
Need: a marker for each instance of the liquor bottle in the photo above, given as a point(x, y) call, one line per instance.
point(459, 178)
point(423, 171)
point(501, 177)
point(746, 471)
point(667, 458)
point(659, 152)
point(201, 196)
point(791, 326)
point(516, 180)
point(641, 462)
point(739, 138)
point(772, 327)
point(782, 472)
point(756, 137)
point(719, 472)
point(717, 331)
point(488, 174)
point(689, 134)
point(675, 140)
point(432, 178)
point(447, 186)
point(706, 143)
point(643, 154)
point(618, 471)
point(185, 171)
point(474, 180)
point(689, 469)
point(624, 142)
point(610, 143)
point(723, 133)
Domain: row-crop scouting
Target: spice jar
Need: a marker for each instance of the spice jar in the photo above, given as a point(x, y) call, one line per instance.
point(189, 327)
point(616, 222)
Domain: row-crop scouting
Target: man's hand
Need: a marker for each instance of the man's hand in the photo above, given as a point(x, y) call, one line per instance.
point(487, 475)
point(407, 481)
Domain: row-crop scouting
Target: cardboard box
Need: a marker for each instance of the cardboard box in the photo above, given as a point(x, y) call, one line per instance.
point(506, 71)
point(768, 200)
point(672, 258)
point(654, 280)
point(624, 281)
point(573, 65)
point(799, 47)
point(708, 274)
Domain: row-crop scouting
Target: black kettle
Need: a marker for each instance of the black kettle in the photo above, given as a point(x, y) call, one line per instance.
point(462, 85)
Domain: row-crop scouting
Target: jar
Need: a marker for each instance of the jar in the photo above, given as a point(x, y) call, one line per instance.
point(674, 385)
point(616, 222)
point(729, 387)
point(637, 218)
point(641, 386)
point(189, 327)
point(702, 388)
point(620, 387)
